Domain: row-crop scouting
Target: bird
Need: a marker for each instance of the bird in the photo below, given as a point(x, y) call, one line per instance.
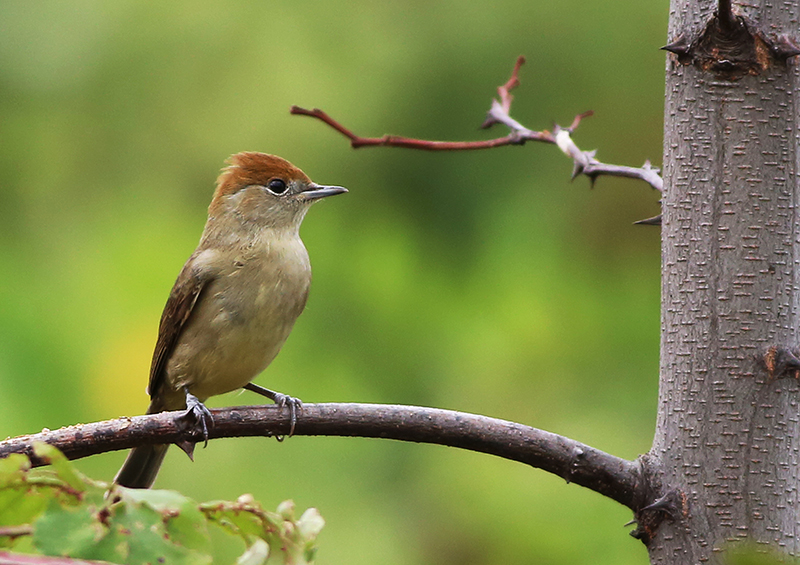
point(235, 301)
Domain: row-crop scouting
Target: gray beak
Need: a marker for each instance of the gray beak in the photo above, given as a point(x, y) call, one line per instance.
point(318, 191)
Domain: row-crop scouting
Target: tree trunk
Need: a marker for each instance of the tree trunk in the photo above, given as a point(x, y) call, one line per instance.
point(727, 442)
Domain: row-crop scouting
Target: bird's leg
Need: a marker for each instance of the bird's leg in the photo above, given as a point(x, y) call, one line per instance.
point(197, 418)
point(281, 400)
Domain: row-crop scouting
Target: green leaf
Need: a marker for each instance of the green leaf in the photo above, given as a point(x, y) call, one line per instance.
point(66, 530)
point(19, 503)
point(185, 524)
point(137, 529)
point(142, 531)
point(61, 465)
point(18, 506)
point(13, 469)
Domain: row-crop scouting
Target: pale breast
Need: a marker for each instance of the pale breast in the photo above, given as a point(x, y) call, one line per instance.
point(242, 318)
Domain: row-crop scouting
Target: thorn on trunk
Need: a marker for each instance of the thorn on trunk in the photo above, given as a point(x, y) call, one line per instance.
point(680, 46)
point(781, 362)
point(785, 48)
point(654, 221)
point(672, 505)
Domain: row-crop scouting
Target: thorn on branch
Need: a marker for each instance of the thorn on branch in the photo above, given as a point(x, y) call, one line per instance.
point(489, 121)
point(517, 138)
point(496, 115)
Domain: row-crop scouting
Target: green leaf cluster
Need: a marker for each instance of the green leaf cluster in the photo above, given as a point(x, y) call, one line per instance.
point(56, 511)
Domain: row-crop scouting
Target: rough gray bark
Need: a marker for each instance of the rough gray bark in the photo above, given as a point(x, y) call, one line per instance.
point(728, 435)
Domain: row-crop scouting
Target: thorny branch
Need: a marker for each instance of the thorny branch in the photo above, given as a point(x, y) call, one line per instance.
point(500, 113)
point(601, 472)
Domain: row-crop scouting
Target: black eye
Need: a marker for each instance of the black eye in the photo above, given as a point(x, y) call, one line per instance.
point(276, 186)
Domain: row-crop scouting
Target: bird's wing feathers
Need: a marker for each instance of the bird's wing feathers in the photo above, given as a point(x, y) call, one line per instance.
point(190, 284)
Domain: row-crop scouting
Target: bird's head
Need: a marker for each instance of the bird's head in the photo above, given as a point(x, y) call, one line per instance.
point(262, 190)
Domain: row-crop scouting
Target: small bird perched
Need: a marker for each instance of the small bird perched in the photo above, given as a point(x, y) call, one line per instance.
point(235, 300)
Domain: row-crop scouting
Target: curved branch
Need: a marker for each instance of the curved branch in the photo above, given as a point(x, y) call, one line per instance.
point(575, 462)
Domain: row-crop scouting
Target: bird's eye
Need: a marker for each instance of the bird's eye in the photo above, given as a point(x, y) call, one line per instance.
point(276, 186)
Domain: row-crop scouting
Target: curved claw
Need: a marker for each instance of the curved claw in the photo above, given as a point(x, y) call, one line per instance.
point(281, 400)
point(197, 416)
point(294, 404)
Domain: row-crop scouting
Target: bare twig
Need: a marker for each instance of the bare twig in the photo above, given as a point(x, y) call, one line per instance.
point(357, 141)
point(505, 90)
point(500, 113)
point(606, 474)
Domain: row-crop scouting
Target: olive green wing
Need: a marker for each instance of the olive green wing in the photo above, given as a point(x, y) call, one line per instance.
point(184, 295)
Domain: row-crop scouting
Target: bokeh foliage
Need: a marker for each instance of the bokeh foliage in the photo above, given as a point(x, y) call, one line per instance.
point(483, 281)
point(57, 511)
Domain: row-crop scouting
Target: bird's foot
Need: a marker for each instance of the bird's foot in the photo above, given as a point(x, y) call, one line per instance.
point(197, 420)
point(281, 400)
point(294, 405)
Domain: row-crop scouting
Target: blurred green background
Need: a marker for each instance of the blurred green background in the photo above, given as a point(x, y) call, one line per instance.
point(478, 281)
